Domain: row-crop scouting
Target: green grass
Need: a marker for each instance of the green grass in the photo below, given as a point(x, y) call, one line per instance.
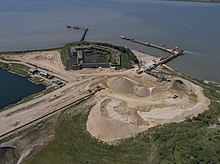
point(191, 141)
point(77, 146)
point(18, 69)
point(64, 54)
point(125, 62)
point(37, 80)
point(2, 65)
point(127, 56)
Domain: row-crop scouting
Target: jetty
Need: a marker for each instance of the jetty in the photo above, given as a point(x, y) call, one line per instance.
point(79, 28)
point(84, 35)
point(175, 52)
point(162, 61)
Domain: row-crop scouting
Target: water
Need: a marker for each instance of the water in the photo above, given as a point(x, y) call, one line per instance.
point(194, 27)
point(13, 88)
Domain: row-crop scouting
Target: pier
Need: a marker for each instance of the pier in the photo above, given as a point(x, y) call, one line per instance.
point(162, 61)
point(175, 52)
point(162, 47)
point(84, 34)
point(79, 28)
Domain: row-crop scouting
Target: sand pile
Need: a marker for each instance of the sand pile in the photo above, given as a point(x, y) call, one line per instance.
point(155, 91)
point(179, 86)
point(142, 92)
point(126, 85)
point(122, 84)
point(117, 110)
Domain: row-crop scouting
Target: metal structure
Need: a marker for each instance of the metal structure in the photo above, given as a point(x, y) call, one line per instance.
point(175, 52)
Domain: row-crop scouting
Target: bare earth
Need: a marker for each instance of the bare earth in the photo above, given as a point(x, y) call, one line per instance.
point(133, 103)
point(129, 104)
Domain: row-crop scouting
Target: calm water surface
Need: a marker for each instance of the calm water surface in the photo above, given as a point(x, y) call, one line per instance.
point(194, 27)
point(13, 88)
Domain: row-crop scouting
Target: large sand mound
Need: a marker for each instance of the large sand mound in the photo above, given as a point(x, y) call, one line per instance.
point(111, 119)
point(155, 91)
point(179, 86)
point(142, 92)
point(122, 84)
point(126, 85)
point(117, 110)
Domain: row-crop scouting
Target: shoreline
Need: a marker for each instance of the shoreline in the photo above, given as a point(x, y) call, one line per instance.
point(18, 52)
point(28, 51)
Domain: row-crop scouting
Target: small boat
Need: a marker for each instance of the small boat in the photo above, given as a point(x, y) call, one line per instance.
point(147, 44)
point(68, 27)
point(76, 27)
point(123, 37)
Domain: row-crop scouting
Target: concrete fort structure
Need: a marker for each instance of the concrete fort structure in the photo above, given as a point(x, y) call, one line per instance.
point(92, 56)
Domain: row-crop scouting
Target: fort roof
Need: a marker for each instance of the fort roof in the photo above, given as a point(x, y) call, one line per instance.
point(79, 55)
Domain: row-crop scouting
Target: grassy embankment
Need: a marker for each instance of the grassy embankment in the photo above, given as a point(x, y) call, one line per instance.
point(21, 70)
point(191, 141)
point(28, 51)
point(126, 55)
point(18, 69)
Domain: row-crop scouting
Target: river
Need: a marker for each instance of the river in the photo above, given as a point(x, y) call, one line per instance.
point(14, 88)
point(194, 27)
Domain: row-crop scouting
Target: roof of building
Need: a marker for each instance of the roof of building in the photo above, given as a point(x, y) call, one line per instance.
point(79, 54)
point(33, 70)
point(82, 47)
point(72, 50)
